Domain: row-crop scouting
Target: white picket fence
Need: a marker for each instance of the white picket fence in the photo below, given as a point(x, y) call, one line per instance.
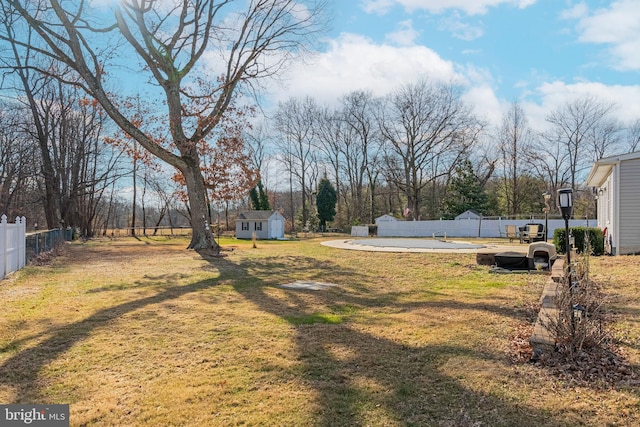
point(12, 245)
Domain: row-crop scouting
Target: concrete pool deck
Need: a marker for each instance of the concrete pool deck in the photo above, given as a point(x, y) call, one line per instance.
point(422, 245)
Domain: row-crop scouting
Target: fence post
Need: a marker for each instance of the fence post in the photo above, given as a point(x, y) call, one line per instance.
point(3, 246)
point(22, 243)
point(13, 245)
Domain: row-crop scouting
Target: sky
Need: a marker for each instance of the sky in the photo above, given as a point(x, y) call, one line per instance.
point(541, 53)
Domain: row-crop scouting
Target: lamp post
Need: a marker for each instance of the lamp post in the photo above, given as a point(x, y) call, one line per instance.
point(565, 200)
point(546, 210)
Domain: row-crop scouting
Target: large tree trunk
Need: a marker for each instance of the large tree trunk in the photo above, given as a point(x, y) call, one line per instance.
point(170, 42)
point(52, 196)
point(202, 237)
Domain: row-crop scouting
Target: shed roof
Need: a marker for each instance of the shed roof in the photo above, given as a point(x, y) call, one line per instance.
point(602, 168)
point(469, 214)
point(255, 215)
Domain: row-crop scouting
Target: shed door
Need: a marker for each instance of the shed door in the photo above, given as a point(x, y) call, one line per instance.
point(277, 229)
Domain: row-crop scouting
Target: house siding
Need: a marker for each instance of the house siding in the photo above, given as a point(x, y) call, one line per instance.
point(605, 204)
point(629, 207)
point(606, 208)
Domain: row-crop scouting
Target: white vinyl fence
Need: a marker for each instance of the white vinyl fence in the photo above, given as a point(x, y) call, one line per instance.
point(360, 231)
point(467, 227)
point(12, 245)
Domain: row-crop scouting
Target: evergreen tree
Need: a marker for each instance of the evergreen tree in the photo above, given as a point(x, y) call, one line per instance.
point(259, 198)
point(326, 202)
point(465, 192)
point(263, 197)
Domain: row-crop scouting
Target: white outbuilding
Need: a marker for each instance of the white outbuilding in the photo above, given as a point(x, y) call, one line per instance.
point(265, 225)
point(386, 218)
point(616, 182)
point(469, 214)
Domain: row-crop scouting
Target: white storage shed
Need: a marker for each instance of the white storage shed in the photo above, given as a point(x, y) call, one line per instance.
point(265, 225)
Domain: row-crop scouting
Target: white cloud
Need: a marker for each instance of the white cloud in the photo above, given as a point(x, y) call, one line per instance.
point(406, 35)
point(485, 103)
point(577, 11)
point(459, 29)
point(555, 94)
point(379, 7)
point(547, 97)
point(354, 62)
point(470, 7)
point(617, 26)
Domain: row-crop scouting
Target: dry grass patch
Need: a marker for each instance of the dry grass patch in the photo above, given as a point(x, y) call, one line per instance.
point(143, 332)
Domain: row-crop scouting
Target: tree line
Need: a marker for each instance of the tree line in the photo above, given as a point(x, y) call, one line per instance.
point(71, 141)
point(420, 152)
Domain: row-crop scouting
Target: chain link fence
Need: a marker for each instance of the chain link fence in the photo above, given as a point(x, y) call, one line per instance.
point(45, 241)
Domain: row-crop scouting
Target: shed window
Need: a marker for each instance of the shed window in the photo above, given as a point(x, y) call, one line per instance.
point(258, 226)
point(245, 226)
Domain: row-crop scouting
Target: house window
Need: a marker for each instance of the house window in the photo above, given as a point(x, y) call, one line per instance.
point(245, 226)
point(258, 226)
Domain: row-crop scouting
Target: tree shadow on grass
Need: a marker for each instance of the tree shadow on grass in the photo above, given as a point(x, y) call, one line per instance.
point(359, 377)
point(22, 370)
point(362, 378)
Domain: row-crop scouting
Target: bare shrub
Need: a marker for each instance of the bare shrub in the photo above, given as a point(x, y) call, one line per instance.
point(586, 350)
point(583, 317)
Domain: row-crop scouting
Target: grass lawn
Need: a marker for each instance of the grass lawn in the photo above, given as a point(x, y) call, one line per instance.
point(143, 332)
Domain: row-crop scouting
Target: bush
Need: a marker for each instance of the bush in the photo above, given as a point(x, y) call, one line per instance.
point(586, 351)
point(584, 236)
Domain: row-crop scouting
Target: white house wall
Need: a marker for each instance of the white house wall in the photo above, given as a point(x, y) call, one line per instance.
point(606, 209)
point(629, 207)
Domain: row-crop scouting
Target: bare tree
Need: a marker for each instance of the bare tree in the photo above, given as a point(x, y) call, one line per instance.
point(361, 150)
point(254, 39)
point(549, 160)
point(259, 140)
point(633, 137)
point(86, 165)
point(514, 145)
point(16, 161)
point(257, 137)
point(330, 133)
point(427, 130)
point(605, 138)
point(585, 130)
point(63, 128)
point(20, 59)
point(68, 129)
point(295, 121)
point(166, 198)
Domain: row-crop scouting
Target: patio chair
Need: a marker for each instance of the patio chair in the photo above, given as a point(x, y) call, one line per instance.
point(512, 232)
point(533, 233)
